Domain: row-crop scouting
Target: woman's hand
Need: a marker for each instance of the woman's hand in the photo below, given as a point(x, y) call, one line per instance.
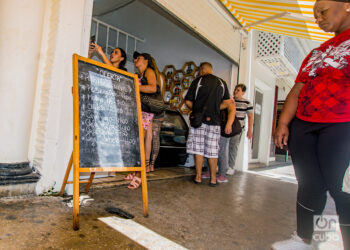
point(99, 49)
point(95, 47)
point(281, 136)
point(288, 113)
point(91, 49)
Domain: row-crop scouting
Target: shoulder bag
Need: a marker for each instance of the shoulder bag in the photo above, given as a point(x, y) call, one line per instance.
point(153, 103)
point(236, 125)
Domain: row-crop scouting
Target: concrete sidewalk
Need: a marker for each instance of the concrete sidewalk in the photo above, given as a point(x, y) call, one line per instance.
point(248, 212)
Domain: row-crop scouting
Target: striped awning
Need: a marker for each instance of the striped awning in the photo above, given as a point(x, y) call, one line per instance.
point(286, 17)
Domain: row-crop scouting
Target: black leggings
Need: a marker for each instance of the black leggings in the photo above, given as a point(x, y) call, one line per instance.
point(320, 154)
point(157, 124)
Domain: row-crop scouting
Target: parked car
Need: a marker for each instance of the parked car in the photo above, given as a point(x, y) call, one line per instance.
point(173, 138)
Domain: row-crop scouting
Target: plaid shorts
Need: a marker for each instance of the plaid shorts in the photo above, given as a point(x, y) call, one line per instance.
point(204, 141)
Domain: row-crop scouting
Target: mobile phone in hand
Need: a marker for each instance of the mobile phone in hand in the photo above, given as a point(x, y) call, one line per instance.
point(93, 39)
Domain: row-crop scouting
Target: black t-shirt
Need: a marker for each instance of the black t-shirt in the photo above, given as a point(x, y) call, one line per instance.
point(198, 95)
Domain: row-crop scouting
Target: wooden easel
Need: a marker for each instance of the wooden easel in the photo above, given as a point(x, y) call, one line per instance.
point(66, 176)
point(74, 159)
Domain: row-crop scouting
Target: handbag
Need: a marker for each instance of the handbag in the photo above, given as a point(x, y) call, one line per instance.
point(236, 125)
point(153, 103)
point(196, 118)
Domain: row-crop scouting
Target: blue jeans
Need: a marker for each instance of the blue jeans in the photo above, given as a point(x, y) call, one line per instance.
point(223, 155)
point(233, 149)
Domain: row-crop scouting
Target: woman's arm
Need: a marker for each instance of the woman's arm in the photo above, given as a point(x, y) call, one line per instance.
point(288, 113)
point(100, 51)
point(151, 87)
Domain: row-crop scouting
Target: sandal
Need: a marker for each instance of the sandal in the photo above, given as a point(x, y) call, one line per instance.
point(135, 183)
point(129, 177)
point(196, 182)
point(213, 184)
point(147, 166)
point(151, 166)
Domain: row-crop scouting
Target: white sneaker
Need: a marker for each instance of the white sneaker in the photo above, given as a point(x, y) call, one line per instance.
point(230, 171)
point(294, 243)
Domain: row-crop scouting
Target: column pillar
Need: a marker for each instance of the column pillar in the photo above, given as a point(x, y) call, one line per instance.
point(20, 42)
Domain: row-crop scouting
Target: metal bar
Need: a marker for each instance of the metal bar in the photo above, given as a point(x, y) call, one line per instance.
point(107, 40)
point(96, 35)
point(126, 44)
point(282, 14)
point(119, 30)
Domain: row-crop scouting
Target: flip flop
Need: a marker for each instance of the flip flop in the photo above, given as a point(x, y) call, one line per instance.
point(196, 182)
point(213, 184)
point(135, 183)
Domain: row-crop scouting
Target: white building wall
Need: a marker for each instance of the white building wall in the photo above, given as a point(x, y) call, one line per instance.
point(257, 76)
point(20, 34)
point(66, 31)
point(283, 92)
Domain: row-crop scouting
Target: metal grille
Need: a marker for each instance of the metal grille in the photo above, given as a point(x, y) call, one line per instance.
point(110, 37)
point(281, 54)
point(268, 44)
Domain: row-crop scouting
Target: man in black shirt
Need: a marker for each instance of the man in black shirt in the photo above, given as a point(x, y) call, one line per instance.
point(211, 92)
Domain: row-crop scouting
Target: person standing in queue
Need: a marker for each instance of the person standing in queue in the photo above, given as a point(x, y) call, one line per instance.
point(148, 85)
point(207, 91)
point(315, 124)
point(243, 108)
point(156, 123)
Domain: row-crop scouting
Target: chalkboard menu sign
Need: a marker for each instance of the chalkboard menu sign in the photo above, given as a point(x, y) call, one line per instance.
point(108, 118)
point(107, 127)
